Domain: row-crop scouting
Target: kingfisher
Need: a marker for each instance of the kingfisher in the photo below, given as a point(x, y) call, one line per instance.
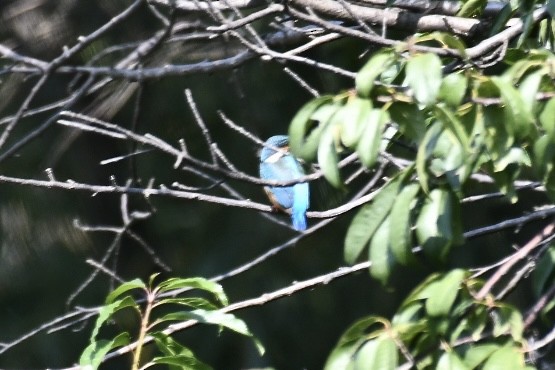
point(277, 163)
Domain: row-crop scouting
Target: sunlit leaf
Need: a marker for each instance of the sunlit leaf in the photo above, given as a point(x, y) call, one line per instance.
point(423, 75)
point(195, 283)
point(444, 292)
point(505, 358)
point(304, 132)
point(369, 217)
point(328, 158)
point(377, 354)
point(547, 118)
point(528, 89)
point(478, 353)
point(453, 89)
point(124, 288)
point(355, 118)
point(451, 361)
point(366, 77)
point(507, 319)
point(369, 144)
point(425, 149)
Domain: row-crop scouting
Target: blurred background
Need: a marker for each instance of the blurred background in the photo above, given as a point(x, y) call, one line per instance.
point(43, 254)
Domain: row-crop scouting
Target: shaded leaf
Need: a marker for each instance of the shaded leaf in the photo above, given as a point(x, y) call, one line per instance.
point(517, 113)
point(400, 225)
point(380, 253)
point(547, 118)
point(478, 353)
point(327, 155)
point(369, 217)
point(354, 119)
point(94, 353)
point(543, 272)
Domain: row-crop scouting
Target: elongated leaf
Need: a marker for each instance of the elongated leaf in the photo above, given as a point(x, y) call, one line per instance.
point(327, 155)
point(342, 354)
point(377, 354)
point(507, 319)
point(193, 302)
point(124, 288)
point(303, 136)
point(195, 283)
point(434, 227)
point(355, 118)
point(94, 353)
point(478, 353)
point(366, 77)
point(400, 227)
point(444, 292)
point(501, 20)
point(453, 124)
point(528, 89)
point(517, 113)
point(505, 358)
point(367, 220)
point(453, 89)
point(369, 145)
point(451, 361)
point(223, 319)
point(423, 75)
point(543, 272)
point(175, 355)
point(425, 149)
point(547, 118)
point(106, 312)
point(472, 8)
point(380, 253)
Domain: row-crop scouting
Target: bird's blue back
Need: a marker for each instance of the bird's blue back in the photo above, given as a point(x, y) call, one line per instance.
point(282, 166)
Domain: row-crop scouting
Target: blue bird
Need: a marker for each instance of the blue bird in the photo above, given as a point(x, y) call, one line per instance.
point(283, 166)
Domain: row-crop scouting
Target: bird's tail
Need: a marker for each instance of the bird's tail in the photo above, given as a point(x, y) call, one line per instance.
point(300, 205)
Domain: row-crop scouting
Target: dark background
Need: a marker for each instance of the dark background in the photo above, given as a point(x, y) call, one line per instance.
point(42, 256)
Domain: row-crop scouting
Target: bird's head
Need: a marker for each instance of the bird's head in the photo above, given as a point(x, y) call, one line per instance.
point(269, 154)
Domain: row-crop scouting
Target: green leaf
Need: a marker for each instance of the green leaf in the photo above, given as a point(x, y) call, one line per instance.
point(175, 362)
point(453, 89)
point(453, 124)
point(223, 319)
point(443, 292)
point(400, 225)
point(195, 283)
point(435, 230)
point(377, 354)
point(342, 354)
point(528, 89)
point(411, 120)
point(303, 136)
point(327, 155)
point(501, 19)
point(369, 217)
point(471, 8)
point(106, 312)
point(451, 361)
point(380, 253)
point(543, 272)
point(368, 146)
point(355, 118)
point(547, 118)
point(425, 149)
point(423, 75)
point(478, 353)
point(365, 78)
point(176, 355)
point(505, 358)
point(193, 302)
point(516, 111)
point(94, 353)
point(124, 288)
point(544, 152)
point(507, 319)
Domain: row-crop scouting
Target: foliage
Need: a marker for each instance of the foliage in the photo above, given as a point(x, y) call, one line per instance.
point(158, 328)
